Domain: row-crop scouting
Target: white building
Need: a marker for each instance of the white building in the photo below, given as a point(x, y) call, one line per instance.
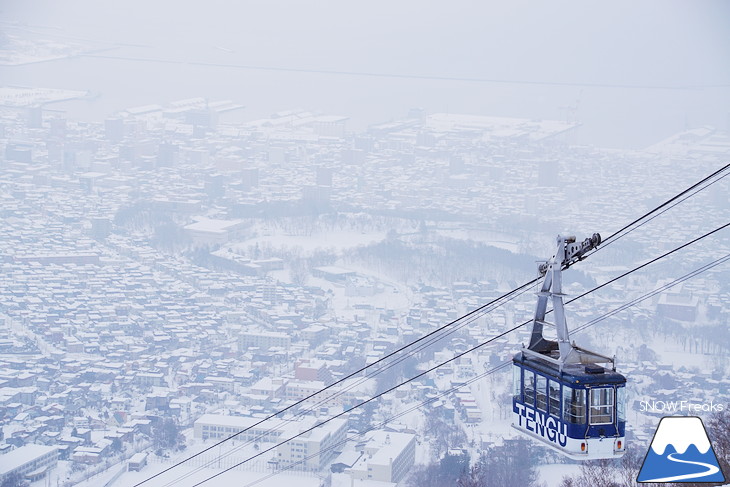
point(137, 462)
point(264, 340)
point(315, 449)
point(222, 383)
point(31, 462)
point(147, 379)
point(218, 427)
point(388, 456)
point(297, 390)
point(212, 232)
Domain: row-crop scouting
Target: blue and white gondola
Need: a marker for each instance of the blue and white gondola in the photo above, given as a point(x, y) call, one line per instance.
point(565, 396)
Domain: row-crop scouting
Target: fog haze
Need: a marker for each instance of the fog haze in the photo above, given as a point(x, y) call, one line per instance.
point(635, 72)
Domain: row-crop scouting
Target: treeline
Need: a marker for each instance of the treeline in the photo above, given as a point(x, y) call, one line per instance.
point(442, 260)
point(163, 231)
point(508, 465)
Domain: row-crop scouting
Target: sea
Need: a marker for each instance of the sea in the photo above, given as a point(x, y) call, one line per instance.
point(374, 62)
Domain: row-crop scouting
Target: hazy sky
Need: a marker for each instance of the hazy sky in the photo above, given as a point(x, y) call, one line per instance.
point(574, 44)
point(655, 42)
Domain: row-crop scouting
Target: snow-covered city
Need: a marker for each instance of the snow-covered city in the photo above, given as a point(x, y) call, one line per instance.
point(205, 287)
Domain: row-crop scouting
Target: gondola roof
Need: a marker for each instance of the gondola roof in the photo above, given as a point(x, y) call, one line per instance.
point(582, 374)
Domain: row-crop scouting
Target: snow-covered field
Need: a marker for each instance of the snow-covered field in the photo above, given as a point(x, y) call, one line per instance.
point(337, 241)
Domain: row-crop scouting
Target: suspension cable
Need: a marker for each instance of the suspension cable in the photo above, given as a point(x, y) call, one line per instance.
point(615, 236)
point(431, 369)
point(339, 392)
point(504, 364)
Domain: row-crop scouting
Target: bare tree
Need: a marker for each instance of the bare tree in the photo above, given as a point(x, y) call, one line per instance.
point(14, 480)
point(475, 477)
point(718, 428)
point(444, 435)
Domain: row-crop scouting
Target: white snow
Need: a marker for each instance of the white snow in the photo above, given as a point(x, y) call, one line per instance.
point(552, 475)
point(681, 432)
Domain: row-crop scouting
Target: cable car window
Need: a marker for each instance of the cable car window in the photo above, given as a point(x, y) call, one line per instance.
point(574, 405)
point(542, 392)
point(621, 403)
point(529, 387)
point(601, 406)
point(554, 393)
point(517, 383)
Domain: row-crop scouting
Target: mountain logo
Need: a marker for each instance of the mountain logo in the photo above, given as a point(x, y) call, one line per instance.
point(680, 452)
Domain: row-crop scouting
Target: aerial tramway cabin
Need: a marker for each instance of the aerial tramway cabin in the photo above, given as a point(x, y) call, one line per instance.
point(565, 396)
